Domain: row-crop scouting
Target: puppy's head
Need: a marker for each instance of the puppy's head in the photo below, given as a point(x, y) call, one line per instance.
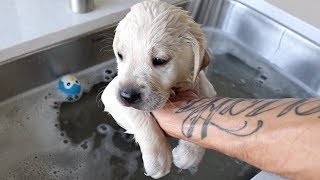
point(157, 46)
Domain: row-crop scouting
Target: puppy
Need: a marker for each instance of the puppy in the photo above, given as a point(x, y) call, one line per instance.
point(158, 48)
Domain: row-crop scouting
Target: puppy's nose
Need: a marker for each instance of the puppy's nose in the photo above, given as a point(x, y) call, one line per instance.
point(130, 96)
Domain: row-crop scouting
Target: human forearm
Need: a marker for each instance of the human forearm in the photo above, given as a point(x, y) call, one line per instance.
point(280, 136)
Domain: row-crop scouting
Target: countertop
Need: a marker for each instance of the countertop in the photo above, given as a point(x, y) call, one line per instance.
point(307, 11)
point(30, 25)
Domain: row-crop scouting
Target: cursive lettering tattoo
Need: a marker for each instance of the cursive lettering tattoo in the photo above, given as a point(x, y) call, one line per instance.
point(202, 111)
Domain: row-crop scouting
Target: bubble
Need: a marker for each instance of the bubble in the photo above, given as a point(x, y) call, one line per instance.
point(179, 170)
point(102, 129)
point(263, 77)
point(108, 71)
point(56, 105)
point(193, 170)
point(84, 146)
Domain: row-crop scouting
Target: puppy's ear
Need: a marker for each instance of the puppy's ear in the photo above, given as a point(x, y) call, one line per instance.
point(201, 59)
point(205, 60)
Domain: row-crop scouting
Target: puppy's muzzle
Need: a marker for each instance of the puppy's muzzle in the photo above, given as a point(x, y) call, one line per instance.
point(130, 97)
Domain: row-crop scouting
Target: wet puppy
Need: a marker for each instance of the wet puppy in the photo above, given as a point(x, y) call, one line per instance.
point(158, 48)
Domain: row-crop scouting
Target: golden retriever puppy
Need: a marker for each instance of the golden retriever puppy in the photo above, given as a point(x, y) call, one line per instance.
point(158, 48)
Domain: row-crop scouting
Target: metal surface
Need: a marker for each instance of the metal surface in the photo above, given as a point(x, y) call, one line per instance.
point(42, 67)
point(81, 6)
point(293, 53)
point(40, 141)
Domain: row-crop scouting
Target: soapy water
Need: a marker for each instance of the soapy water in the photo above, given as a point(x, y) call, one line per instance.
point(43, 136)
point(61, 139)
point(44, 149)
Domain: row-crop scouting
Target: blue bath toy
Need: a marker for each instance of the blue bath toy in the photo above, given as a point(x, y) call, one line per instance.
point(70, 87)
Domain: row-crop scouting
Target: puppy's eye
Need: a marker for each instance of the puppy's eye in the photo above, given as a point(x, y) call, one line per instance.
point(158, 61)
point(120, 56)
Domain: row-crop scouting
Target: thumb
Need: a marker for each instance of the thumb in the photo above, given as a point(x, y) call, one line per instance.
point(174, 103)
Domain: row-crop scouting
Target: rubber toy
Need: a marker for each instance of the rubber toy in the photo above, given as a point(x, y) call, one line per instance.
point(70, 88)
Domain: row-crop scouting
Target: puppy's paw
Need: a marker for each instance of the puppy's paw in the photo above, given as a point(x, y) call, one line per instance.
point(187, 155)
point(157, 162)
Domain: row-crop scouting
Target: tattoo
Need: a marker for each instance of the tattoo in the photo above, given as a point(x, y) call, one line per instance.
point(202, 111)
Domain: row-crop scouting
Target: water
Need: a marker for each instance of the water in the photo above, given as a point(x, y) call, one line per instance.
point(42, 138)
point(235, 71)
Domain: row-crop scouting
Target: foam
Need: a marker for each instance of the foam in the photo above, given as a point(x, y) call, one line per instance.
point(33, 147)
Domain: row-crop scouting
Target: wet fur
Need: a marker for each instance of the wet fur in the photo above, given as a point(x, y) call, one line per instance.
point(157, 29)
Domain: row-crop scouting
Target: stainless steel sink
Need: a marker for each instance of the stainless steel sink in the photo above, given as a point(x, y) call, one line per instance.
point(263, 33)
point(254, 56)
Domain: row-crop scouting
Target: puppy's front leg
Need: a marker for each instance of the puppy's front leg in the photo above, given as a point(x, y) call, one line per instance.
point(156, 152)
point(187, 154)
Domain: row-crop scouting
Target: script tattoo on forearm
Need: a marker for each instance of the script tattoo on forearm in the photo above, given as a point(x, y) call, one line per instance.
point(202, 111)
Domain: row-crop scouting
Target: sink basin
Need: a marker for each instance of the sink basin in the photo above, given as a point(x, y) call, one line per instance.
point(43, 139)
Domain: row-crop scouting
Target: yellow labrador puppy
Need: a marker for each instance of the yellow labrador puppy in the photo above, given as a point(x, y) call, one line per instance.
point(158, 48)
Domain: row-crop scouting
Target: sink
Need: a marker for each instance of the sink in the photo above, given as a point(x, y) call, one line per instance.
point(41, 138)
point(269, 34)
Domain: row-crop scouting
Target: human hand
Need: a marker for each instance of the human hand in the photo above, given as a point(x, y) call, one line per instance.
point(166, 116)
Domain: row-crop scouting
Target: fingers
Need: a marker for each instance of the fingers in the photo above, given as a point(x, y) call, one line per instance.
point(183, 96)
point(177, 101)
point(168, 110)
